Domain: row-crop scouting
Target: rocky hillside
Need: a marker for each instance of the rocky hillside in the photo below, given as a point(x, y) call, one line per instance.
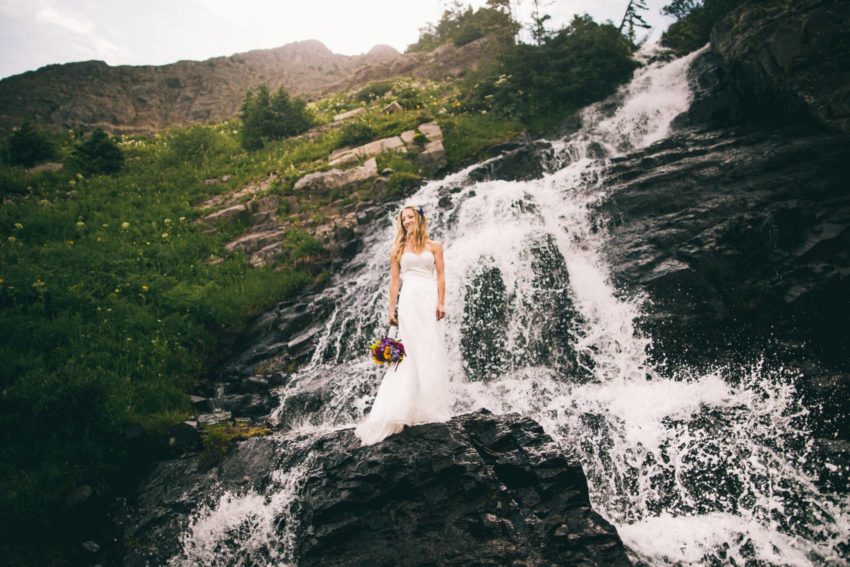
point(141, 99)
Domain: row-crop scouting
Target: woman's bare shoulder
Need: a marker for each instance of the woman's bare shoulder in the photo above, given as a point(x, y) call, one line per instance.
point(434, 245)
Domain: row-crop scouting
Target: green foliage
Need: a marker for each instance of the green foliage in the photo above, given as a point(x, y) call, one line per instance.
point(542, 84)
point(373, 91)
point(694, 22)
point(461, 25)
point(355, 133)
point(98, 154)
point(27, 146)
point(267, 117)
point(466, 136)
point(199, 145)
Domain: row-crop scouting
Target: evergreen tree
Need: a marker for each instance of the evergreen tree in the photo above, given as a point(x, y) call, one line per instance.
point(632, 19)
point(28, 146)
point(98, 154)
point(538, 30)
point(268, 117)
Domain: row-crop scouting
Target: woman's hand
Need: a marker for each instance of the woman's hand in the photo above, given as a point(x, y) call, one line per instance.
point(393, 321)
point(441, 312)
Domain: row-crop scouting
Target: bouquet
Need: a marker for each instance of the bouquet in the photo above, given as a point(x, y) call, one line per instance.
point(387, 350)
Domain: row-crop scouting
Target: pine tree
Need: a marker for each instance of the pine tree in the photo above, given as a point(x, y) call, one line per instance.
point(99, 154)
point(632, 19)
point(538, 30)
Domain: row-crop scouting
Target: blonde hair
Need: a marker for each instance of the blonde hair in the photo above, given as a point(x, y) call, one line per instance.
point(418, 236)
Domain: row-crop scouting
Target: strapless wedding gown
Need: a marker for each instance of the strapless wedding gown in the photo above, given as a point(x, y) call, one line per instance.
point(417, 391)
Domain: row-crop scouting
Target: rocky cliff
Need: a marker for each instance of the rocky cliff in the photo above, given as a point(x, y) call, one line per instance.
point(789, 59)
point(142, 99)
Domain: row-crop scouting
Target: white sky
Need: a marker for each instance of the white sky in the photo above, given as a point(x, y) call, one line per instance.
point(34, 33)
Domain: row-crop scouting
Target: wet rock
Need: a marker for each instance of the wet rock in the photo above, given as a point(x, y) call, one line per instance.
point(481, 489)
point(484, 333)
point(516, 162)
point(245, 405)
point(424, 495)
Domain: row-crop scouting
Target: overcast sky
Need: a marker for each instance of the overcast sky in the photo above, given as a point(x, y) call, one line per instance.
point(34, 33)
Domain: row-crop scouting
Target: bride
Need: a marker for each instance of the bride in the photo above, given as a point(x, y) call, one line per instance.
point(415, 391)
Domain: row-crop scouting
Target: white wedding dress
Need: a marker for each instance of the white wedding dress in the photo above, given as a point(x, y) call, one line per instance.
point(417, 391)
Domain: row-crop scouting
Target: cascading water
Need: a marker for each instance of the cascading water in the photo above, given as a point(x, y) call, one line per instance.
point(691, 468)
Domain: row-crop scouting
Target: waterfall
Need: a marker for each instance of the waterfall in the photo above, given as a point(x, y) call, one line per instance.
point(692, 468)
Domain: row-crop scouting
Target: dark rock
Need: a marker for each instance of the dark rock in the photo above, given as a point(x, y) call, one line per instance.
point(77, 498)
point(202, 404)
point(479, 490)
point(180, 437)
point(789, 60)
point(740, 239)
point(245, 405)
point(520, 163)
point(255, 384)
point(217, 416)
point(90, 547)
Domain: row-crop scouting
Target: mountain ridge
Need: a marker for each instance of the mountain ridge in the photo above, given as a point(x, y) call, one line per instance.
point(142, 99)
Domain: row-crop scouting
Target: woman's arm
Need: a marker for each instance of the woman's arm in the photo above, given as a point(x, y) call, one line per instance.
point(395, 269)
point(441, 279)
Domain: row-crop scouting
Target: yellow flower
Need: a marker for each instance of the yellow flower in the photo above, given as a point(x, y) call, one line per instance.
point(11, 239)
point(165, 235)
point(69, 242)
point(145, 287)
point(81, 224)
point(18, 226)
point(125, 225)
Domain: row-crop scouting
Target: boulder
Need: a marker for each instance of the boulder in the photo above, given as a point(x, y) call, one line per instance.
point(255, 240)
point(432, 158)
point(347, 156)
point(349, 114)
point(336, 178)
point(479, 490)
point(392, 108)
point(431, 131)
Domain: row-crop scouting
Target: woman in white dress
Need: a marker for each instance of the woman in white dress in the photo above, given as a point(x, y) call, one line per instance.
point(417, 390)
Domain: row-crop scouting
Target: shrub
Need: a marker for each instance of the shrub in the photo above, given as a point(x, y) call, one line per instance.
point(694, 22)
point(355, 133)
point(98, 154)
point(197, 144)
point(541, 84)
point(373, 91)
point(28, 146)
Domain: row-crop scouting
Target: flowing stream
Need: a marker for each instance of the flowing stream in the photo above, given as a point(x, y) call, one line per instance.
point(692, 468)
